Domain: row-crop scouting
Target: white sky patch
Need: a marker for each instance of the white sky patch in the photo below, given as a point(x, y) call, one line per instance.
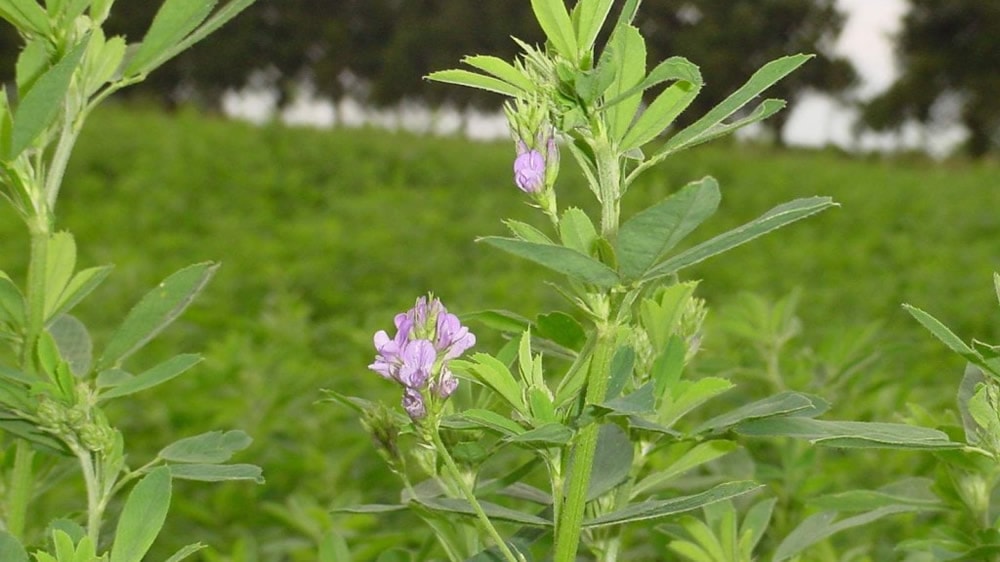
point(866, 40)
point(816, 120)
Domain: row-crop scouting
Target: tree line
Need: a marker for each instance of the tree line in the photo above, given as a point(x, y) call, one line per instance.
point(379, 50)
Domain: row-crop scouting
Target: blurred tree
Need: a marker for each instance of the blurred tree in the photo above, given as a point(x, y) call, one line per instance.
point(949, 54)
point(380, 49)
point(730, 39)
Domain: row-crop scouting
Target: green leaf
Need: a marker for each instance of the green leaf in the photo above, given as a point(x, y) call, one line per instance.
point(850, 434)
point(185, 552)
point(588, 19)
point(648, 235)
point(622, 363)
point(142, 517)
point(689, 395)
point(370, 508)
point(914, 492)
point(761, 80)
point(756, 521)
point(11, 302)
point(765, 109)
point(698, 455)
point(612, 461)
point(572, 263)
point(783, 404)
point(560, 328)
point(73, 341)
point(674, 68)
point(777, 217)
point(493, 511)
point(547, 435)
point(40, 105)
point(526, 232)
point(558, 28)
point(222, 16)
point(501, 320)
point(333, 548)
point(26, 16)
point(173, 22)
point(946, 336)
point(11, 549)
point(626, 52)
point(477, 418)
point(639, 401)
point(488, 371)
point(103, 60)
point(668, 366)
point(473, 80)
point(60, 261)
point(500, 69)
point(820, 526)
point(576, 231)
point(670, 103)
point(657, 509)
point(157, 375)
point(81, 285)
point(217, 472)
point(213, 447)
point(31, 63)
point(156, 311)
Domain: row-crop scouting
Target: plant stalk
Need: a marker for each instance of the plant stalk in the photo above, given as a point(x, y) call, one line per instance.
point(456, 475)
point(22, 478)
point(22, 483)
point(609, 186)
point(568, 526)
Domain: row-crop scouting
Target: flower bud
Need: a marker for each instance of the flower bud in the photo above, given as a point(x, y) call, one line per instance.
point(96, 436)
point(50, 413)
point(529, 170)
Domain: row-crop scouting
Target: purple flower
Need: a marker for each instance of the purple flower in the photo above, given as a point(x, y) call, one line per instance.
point(427, 337)
point(389, 358)
point(529, 170)
point(418, 359)
point(413, 403)
point(446, 384)
point(453, 339)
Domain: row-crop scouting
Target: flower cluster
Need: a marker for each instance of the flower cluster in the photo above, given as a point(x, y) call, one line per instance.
point(427, 337)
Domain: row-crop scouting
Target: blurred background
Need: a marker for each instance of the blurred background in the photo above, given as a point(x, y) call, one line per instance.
point(890, 74)
point(301, 147)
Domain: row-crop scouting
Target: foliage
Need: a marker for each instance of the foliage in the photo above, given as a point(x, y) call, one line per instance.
point(54, 385)
point(293, 214)
point(948, 54)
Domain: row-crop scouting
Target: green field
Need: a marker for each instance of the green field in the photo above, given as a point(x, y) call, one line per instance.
point(324, 235)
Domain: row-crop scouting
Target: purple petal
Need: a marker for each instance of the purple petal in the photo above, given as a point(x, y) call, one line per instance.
point(446, 384)
point(453, 339)
point(418, 357)
point(529, 171)
point(414, 405)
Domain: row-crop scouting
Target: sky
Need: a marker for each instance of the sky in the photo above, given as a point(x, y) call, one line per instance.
point(866, 40)
point(816, 120)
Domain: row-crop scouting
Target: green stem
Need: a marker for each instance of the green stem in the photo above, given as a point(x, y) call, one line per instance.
point(40, 230)
point(95, 503)
point(569, 524)
point(60, 159)
point(22, 484)
point(22, 477)
point(609, 186)
point(466, 491)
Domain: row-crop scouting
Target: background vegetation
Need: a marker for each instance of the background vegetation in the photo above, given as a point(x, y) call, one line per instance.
point(323, 236)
